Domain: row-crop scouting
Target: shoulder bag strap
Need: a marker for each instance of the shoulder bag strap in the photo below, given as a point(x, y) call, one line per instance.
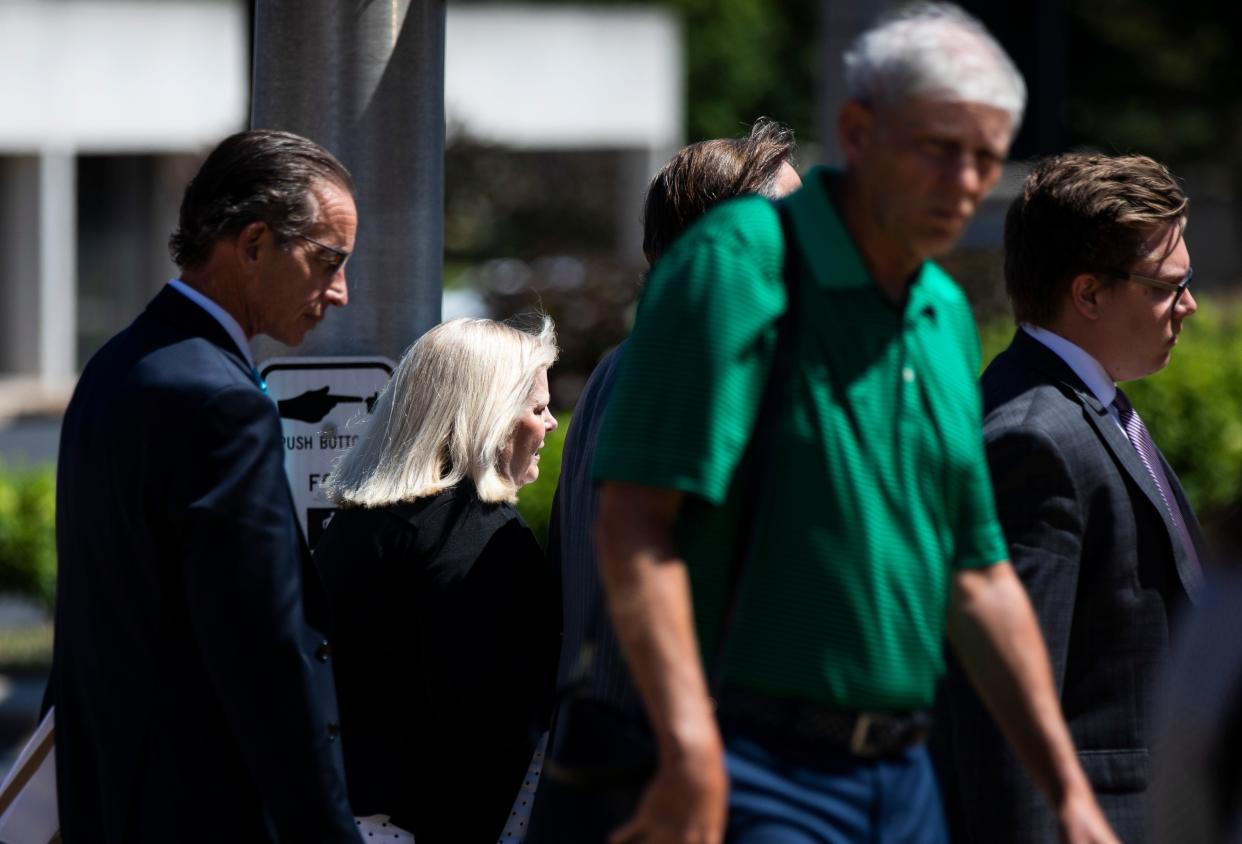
point(755, 482)
point(754, 472)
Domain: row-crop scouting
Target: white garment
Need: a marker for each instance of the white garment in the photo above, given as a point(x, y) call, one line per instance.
point(379, 828)
point(31, 816)
point(519, 817)
point(1089, 370)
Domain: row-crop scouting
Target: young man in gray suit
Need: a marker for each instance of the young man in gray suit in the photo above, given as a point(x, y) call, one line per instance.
point(1097, 524)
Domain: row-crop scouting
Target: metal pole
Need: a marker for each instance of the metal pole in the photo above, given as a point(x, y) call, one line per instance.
point(365, 78)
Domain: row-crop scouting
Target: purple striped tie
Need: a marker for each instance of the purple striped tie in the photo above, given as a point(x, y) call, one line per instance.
point(1146, 448)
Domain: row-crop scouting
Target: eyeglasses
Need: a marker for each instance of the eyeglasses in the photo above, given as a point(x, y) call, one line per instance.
point(338, 252)
point(1177, 288)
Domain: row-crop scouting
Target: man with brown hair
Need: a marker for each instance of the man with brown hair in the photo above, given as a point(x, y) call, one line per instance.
point(698, 177)
point(1097, 524)
point(704, 174)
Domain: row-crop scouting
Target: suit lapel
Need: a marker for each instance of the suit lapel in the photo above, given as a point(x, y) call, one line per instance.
point(1190, 575)
point(1042, 359)
point(1124, 453)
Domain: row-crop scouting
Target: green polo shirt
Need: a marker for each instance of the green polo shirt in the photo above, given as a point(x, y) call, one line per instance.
point(879, 487)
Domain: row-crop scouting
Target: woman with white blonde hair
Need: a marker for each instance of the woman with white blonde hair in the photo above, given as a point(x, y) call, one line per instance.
point(446, 618)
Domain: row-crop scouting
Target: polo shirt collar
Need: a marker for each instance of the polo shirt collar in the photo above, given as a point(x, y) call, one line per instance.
point(828, 248)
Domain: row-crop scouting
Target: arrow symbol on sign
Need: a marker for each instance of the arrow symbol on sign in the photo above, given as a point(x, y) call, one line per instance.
point(313, 405)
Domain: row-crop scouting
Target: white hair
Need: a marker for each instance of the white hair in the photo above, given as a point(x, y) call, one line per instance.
point(446, 414)
point(933, 50)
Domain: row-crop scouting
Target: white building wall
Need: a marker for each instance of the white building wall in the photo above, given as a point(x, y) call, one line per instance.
point(122, 76)
point(564, 77)
point(171, 77)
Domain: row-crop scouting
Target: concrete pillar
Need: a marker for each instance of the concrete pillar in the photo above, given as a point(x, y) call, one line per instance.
point(38, 278)
point(19, 264)
point(170, 173)
point(58, 266)
point(366, 80)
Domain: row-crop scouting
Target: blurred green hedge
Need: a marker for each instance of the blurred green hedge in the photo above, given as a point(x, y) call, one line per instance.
point(535, 500)
point(1193, 407)
point(28, 532)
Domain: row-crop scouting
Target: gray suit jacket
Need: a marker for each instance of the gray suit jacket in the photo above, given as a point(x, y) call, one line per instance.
point(1090, 537)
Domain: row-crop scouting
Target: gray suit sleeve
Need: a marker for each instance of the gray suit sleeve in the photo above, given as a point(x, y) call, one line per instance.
point(1038, 507)
point(988, 795)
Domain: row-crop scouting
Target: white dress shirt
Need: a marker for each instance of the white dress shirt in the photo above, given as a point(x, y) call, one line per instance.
point(1087, 368)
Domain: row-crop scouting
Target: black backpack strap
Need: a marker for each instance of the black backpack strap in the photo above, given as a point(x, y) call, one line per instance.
point(754, 471)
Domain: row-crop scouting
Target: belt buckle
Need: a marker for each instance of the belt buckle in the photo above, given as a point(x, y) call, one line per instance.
point(859, 735)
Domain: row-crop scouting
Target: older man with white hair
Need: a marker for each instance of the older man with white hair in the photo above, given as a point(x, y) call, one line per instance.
point(874, 530)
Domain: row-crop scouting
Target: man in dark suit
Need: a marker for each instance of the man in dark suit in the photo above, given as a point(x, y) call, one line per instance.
point(193, 694)
point(1097, 524)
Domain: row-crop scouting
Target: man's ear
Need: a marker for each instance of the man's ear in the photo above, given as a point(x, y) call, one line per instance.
point(1086, 291)
point(249, 239)
point(855, 125)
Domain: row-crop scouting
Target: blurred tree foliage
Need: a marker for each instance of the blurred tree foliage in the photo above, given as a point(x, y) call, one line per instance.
point(501, 201)
point(536, 231)
point(28, 532)
point(1159, 78)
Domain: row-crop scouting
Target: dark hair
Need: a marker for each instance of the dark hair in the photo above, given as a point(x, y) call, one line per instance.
point(709, 172)
point(1079, 213)
point(261, 174)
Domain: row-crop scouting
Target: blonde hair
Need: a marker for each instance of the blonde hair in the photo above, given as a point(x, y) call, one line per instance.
point(445, 415)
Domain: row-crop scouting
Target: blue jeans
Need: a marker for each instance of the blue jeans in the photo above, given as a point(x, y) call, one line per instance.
point(835, 799)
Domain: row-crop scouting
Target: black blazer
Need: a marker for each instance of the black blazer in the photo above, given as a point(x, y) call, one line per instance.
point(1093, 542)
point(446, 629)
point(190, 702)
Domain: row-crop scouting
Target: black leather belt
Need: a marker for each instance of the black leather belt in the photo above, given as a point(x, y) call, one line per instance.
point(803, 727)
